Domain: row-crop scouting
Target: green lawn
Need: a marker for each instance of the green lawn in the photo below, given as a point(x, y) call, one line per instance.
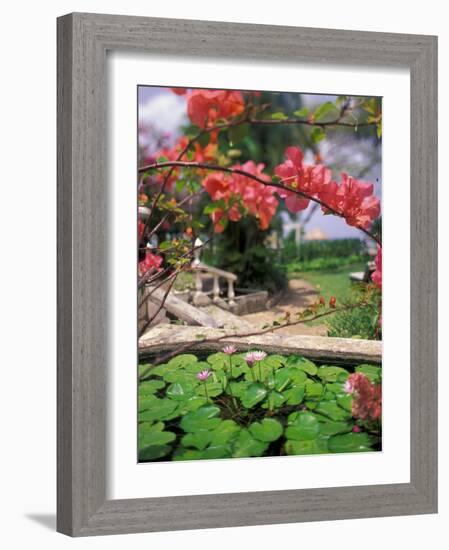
point(331, 283)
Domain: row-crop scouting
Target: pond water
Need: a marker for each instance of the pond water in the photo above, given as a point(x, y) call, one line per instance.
point(215, 405)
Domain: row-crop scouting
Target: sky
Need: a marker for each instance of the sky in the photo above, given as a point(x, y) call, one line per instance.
point(166, 112)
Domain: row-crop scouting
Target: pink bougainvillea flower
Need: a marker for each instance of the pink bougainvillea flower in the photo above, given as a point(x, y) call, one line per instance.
point(376, 277)
point(218, 220)
point(204, 375)
point(179, 91)
point(367, 397)
point(229, 350)
point(301, 177)
point(257, 198)
point(205, 107)
point(140, 229)
point(151, 261)
point(355, 201)
point(218, 185)
point(241, 194)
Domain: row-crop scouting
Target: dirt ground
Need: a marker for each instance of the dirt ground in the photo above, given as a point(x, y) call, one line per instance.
point(297, 297)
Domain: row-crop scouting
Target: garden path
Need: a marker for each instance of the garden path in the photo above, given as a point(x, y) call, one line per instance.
point(297, 297)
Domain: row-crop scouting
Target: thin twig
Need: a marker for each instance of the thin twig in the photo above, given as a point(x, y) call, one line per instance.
point(239, 171)
point(187, 345)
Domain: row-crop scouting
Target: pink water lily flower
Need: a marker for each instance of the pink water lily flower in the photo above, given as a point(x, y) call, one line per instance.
point(204, 375)
point(254, 356)
point(259, 355)
point(229, 350)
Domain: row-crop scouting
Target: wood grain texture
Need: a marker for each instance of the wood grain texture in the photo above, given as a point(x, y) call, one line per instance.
point(83, 40)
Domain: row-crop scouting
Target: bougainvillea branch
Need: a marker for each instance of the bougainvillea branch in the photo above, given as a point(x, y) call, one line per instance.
point(239, 171)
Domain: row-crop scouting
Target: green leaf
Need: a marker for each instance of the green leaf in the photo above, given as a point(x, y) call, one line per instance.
point(322, 111)
point(212, 390)
point(203, 418)
point(216, 451)
point(146, 402)
point(295, 395)
point(317, 134)
point(274, 361)
point(218, 360)
point(191, 404)
point(307, 447)
point(237, 133)
point(180, 391)
point(314, 390)
point(302, 363)
point(332, 410)
point(225, 432)
point(345, 401)
point(350, 443)
point(182, 360)
point(279, 116)
point(274, 400)
point(187, 454)
point(154, 452)
point(332, 374)
point(150, 387)
point(143, 368)
point(153, 434)
point(161, 409)
point(333, 428)
point(245, 445)
point(253, 394)
point(237, 389)
point(204, 139)
point(301, 113)
point(302, 426)
point(200, 439)
point(371, 371)
point(267, 430)
point(282, 379)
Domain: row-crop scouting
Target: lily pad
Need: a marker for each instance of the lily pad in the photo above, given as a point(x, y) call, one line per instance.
point(302, 363)
point(200, 439)
point(274, 399)
point(150, 387)
point(334, 428)
point(350, 443)
point(203, 418)
point(302, 426)
point(253, 394)
point(371, 371)
point(154, 452)
point(306, 447)
point(269, 429)
point(180, 391)
point(246, 445)
point(295, 395)
point(225, 432)
point(332, 410)
point(314, 390)
point(332, 374)
point(154, 435)
point(161, 409)
point(182, 360)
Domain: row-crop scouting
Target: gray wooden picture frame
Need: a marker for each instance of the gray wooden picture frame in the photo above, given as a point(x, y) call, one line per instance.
point(83, 41)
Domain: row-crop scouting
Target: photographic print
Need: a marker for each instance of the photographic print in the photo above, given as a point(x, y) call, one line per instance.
point(259, 274)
